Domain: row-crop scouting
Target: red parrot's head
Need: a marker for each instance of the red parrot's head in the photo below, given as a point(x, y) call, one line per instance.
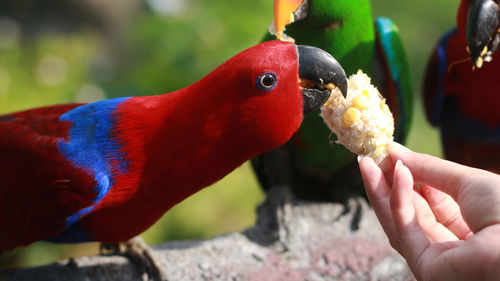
point(267, 89)
point(480, 20)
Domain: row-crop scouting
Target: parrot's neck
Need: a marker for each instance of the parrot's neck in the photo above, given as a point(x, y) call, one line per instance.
point(180, 136)
point(462, 16)
point(343, 28)
point(174, 145)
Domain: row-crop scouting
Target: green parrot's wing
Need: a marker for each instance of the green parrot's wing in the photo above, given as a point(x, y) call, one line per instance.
point(397, 86)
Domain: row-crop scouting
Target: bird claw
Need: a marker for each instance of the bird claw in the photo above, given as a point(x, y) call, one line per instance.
point(138, 252)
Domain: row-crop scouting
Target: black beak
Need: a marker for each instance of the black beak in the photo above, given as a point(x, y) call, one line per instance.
point(319, 73)
point(482, 30)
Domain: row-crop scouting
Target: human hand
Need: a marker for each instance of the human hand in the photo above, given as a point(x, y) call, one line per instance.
point(449, 228)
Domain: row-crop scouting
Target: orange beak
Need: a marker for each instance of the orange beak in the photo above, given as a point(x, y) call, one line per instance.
point(283, 14)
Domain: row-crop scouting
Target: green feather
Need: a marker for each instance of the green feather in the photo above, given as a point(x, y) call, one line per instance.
point(392, 47)
point(342, 28)
point(316, 168)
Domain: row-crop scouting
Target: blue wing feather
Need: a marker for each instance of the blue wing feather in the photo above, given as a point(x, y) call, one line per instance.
point(442, 65)
point(91, 146)
point(395, 56)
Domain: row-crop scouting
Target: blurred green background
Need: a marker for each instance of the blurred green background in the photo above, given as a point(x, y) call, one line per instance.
point(60, 51)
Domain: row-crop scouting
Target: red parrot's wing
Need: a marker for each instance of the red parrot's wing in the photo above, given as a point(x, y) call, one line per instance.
point(39, 188)
point(433, 87)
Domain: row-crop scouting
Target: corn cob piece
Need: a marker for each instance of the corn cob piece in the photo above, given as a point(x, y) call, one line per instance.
point(362, 121)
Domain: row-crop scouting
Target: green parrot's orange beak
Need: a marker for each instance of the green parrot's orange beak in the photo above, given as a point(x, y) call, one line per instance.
point(283, 14)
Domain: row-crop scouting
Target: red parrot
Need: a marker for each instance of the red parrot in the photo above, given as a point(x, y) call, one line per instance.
point(106, 171)
point(461, 97)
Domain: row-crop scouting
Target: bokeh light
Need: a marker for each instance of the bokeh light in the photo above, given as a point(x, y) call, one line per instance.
point(51, 70)
point(168, 7)
point(10, 33)
point(89, 93)
point(4, 81)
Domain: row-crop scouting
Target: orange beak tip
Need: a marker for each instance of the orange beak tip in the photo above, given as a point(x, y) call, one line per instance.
point(283, 13)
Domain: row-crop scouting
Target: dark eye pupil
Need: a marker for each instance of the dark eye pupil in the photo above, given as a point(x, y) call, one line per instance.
point(267, 81)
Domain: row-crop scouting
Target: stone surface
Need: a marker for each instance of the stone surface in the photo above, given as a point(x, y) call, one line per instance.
point(292, 240)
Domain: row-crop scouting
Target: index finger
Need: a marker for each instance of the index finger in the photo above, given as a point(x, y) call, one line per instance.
point(444, 175)
point(476, 191)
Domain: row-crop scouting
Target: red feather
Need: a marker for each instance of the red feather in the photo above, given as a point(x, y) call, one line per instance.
point(472, 94)
point(39, 188)
point(173, 144)
point(191, 138)
point(476, 90)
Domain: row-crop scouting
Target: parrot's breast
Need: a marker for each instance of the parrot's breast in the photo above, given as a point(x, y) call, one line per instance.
point(476, 90)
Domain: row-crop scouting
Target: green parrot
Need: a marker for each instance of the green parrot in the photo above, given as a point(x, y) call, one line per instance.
point(311, 164)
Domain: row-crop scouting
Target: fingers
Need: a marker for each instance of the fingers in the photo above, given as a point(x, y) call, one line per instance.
point(373, 178)
point(431, 171)
point(446, 211)
point(401, 199)
point(378, 193)
point(394, 208)
point(476, 191)
point(412, 238)
point(436, 231)
point(404, 214)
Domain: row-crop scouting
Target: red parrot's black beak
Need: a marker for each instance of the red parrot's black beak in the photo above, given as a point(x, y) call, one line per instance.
point(483, 20)
point(319, 73)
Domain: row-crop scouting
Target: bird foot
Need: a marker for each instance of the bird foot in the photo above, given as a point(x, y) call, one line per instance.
point(138, 252)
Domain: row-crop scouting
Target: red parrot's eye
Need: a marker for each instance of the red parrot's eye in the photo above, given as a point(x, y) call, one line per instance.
point(267, 81)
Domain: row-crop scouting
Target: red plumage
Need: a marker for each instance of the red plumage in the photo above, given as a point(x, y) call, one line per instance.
point(38, 191)
point(182, 144)
point(107, 171)
point(464, 101)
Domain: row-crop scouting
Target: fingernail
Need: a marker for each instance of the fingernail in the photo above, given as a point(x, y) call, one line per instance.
point(399, 163)
point(395, 147)
point(360, 157)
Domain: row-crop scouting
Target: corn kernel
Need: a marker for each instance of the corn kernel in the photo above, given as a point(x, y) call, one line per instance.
point(350, 117)
point(330, 86)
point(361, 102)
point(384, 107)
point(362, 121)
point(479, 62)
point(366, 93)
point(484, 51)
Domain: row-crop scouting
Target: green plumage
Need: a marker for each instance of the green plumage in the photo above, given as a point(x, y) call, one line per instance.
point(398, 74)
point(310, 164)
